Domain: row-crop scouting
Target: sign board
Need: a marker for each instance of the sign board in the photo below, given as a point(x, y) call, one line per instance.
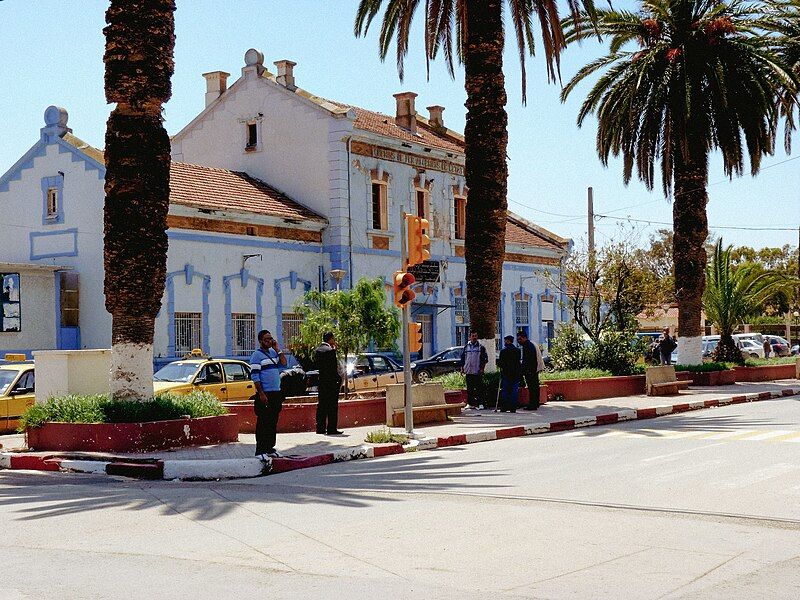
point(426, 272)
point(10, 317)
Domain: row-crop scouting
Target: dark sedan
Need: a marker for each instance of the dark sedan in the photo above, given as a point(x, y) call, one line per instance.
point(447, 361)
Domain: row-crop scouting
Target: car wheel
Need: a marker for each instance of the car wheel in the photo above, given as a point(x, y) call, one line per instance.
point(754, 355)
point(423, 376)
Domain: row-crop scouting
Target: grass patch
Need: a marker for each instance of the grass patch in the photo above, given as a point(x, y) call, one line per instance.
point(385, 436)
point(102, 409)
point(585, 373)
point(705, 367)
point(764, 362)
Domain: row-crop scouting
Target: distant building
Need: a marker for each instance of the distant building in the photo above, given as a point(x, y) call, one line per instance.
point(272, 188)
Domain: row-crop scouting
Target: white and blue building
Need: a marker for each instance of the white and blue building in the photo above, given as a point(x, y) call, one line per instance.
point(272, 190)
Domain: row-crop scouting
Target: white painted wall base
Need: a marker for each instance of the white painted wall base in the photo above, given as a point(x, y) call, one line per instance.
point(131, 372)
point(690, 350)
point(60, 372)
point(489, 345)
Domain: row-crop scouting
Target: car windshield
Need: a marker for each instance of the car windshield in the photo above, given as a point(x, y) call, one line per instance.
point(7, 377)
point(179, 372)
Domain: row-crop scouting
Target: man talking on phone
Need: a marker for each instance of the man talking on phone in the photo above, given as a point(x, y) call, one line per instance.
point(266, 365)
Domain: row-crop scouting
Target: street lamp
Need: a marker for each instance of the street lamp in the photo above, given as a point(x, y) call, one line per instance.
point(338, 275)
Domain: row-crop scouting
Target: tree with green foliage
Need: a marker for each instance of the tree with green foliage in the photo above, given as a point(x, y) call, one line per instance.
point(732, 294)
point(683, 78)
point(357, 318)
point(473, 32)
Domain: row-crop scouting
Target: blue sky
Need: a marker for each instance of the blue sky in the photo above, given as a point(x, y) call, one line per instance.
point(51, 53)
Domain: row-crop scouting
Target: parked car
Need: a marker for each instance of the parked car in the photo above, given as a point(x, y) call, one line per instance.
point(780, 347)
point(369, 371)
point(17, 385)
point(225, 378)
point(750, 348)
point(446, 361)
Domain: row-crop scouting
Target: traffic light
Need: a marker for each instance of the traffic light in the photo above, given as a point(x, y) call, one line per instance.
point(403, 294)
point(419, 244)
point(414, 337)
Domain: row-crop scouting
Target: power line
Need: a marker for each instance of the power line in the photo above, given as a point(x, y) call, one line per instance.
point(733, 227)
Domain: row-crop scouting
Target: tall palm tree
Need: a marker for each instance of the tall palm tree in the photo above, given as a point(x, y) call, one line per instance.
point(734, 293)
point(683, 78)
point(140, 38)
point(473, 32)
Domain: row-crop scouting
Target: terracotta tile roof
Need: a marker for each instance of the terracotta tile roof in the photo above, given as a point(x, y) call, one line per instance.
point(523, 233)
point(381, 124)
point(220, 189)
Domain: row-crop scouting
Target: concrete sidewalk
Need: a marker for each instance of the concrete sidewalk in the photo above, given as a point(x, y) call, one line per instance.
point(310, 449)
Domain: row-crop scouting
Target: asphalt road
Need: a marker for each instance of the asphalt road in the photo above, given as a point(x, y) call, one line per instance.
point(696, 505)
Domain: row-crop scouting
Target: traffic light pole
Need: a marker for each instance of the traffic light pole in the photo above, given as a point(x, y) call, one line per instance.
point(407, 401)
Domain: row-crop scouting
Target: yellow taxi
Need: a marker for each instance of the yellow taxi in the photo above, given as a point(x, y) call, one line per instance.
point(227, 379)
point(17, 383)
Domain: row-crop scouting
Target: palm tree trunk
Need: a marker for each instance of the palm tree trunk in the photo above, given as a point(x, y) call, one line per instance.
point(140, 38)
point(690, 225)
point(486, 139)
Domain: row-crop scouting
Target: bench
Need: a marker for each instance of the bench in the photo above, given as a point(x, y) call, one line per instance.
point(427, 404)
point(662, 381)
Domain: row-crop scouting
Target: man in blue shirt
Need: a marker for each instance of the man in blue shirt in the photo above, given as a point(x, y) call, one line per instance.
point(266, 365)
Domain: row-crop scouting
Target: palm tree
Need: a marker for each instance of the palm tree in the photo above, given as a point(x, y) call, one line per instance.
point(140, 38)
point(683, 78)
point(734, 293)
point(473, 32)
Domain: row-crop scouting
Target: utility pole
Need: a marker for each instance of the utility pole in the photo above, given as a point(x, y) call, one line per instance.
point(592, 291)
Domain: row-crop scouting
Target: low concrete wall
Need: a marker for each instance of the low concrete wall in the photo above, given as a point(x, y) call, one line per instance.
point(134, 437)
point(60, 372)
point(765, 373)
point(709, 378)
point(297, 417)
point(593, 389)
point(424, 394)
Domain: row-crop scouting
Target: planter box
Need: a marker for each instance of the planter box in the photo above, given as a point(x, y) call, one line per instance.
point(765, 373)
point(134, 437)
point(297, 417)
point(600, 387)
point(727, 377)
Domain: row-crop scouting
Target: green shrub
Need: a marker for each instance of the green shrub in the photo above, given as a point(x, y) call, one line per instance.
point(760, 362)
point(567, 348)
point(615, 351)
point(585, 373)
point(705, 367)
point(385, 436)
point(452, 381)
point(102, 409)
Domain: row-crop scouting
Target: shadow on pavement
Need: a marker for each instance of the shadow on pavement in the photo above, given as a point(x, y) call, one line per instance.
point(31, 496)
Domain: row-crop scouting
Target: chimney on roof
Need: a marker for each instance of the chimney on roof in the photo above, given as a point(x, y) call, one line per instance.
point(216, 84)
point(285, 75)
point(436, 119)
point(406, 115)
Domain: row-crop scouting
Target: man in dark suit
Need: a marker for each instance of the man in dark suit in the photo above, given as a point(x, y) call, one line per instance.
point(330, 381)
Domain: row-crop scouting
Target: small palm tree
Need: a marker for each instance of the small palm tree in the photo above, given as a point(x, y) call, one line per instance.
point(683, 78)
point(473, 32)
point(140, 38)
point(734, 293)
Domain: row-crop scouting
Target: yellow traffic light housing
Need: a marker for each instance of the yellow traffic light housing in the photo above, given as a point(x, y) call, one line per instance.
point(403, 294)
point(415, 337)
point(419, 244)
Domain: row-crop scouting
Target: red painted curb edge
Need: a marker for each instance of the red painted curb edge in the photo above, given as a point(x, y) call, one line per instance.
point(154, 468)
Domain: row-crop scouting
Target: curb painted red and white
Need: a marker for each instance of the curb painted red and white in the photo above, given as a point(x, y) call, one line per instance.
point(206, 470)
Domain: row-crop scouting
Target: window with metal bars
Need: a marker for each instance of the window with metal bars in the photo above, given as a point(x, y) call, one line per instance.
point(188, 332)
point(291, 328)
point(462, 320)
point(460, 213)
point(244, 333)
point(379, 209)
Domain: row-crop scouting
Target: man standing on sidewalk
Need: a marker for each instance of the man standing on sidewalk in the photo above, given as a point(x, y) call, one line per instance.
point(510, 364)
point(266, 365)
point(473, 363)
point(666, 345)
point(532, 365)
point(330, 381)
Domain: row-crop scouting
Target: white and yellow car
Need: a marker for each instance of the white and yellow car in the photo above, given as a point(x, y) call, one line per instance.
point(227, 379)
point(17, 383)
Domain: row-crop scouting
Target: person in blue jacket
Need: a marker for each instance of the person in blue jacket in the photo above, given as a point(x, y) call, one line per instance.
point(266, 365)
